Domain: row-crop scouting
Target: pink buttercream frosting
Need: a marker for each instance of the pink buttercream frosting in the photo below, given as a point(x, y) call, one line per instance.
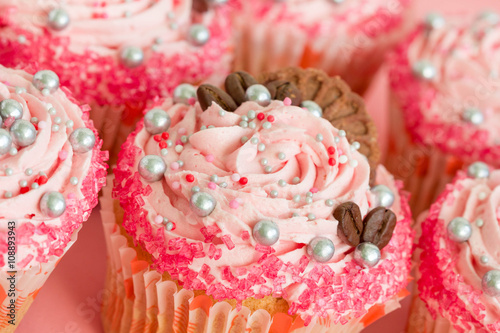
point(465, 54)
point(451, 272)
point(218, 253)
point(49, 162)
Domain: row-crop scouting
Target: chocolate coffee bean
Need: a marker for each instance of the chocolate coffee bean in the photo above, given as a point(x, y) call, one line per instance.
point(207, 94)
point(379, 225)
point(280, 90)
point(350, 224)
point(237, 84)
point(200, 6)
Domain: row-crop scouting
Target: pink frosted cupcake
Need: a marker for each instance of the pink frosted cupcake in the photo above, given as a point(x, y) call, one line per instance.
point(341, 37)
point(260, 219)
point(460, 271)
point(51, 171)
point(445, 106)
point(115, 54)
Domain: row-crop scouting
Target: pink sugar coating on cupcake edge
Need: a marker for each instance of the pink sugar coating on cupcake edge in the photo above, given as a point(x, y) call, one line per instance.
point(439, 281)
point(345, 295)
point(413, 96)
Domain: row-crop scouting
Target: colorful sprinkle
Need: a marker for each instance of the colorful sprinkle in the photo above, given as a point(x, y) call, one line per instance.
point(234, 204)
point(189, 178)
point(210, 158)
point(243, 180)
point(212, 185)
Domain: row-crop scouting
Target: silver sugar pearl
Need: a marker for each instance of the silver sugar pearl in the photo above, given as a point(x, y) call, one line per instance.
point(491, 283)
point(223, 185)
point(157, 121)
point(434, 21)
point(34, 186)
point(261, 147)
point(73, 180)
point(267, 125)
point(282, 183)
point(23, 133)
point(195, 189)
point(198, 34)
point(383, 196)
point(82, 140)
point(484, 259)
point(152, 168)
point(9, 171)
point(319, 137)
point(268, 169)
point(243, 124)
point(202, 203)
point(311, 217)
point(8, 194)
point(313, 107)
point(329, 202)
point(13, 151)
point(459, 230)
point(217, 2)
point(489, 16)
point(131, 56)
point(295, 180)
point(52, 204)
point(273, 194)
point(70, 124)
point(254, 141)
point(479, 223)
point(266, 232)
point(5, 141)
point(55, 128)
point(296, 198)
point(259, 94)
point(46, 80)
point(214, 178)
point(367, 254)
point(183, 93)
point(478, 170)
point(23, 183)
point(309, 200)
point(281, 156)
point(424, 69)
point(321, 249)
point(11, 108)
point(251, 114)
point(28, 171)
point(264, 161)
point(58, 19)
point(342, 133)
point(473, 116)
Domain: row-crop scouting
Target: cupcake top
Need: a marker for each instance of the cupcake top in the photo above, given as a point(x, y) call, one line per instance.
point(236, 194)
point(460, 269)
point(445, 76)
point(338, 17)
point(51, 166)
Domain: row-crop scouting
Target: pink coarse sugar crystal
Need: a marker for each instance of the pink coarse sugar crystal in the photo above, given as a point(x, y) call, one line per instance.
point(228, 242)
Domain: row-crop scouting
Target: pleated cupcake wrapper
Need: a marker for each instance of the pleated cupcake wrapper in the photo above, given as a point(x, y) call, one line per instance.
point(138, 300)
point(265, 48)
point(28, 283)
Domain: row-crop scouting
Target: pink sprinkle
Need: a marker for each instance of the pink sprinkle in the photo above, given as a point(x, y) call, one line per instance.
point(63, 154)
point(314, 190)
point(181, 131)
point(234, 204)
point(174, 165)
point(212, 185)
point(235, 177)
point(176, 185)
point(287, 101)
point(179, 142)
point(42, 124)
point(191, 101)
point(210, 158)
point(158, 219)
point(340, 151)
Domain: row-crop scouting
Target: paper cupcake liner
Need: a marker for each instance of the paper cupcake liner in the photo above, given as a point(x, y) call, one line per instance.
point(262, 48)
point(138, 299)
point(425, 170)
point(28, 283)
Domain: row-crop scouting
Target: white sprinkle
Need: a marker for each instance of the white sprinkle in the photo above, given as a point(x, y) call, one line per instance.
point(261, 147)
point(356, 145)
point(23, 183)
point(243, 124)
point(223, 184)
point(35, 186)
point(45, 92)
point(479, 223)
point(342, 159)
point(251, 114)
point(184, 139)
point(20, 90)
point(282, 182)
point(329, 202)
point(274, 194)
point(52, 111)
point(264, 161)
point(179, 148)
point(57, 120)
point(268, 169)
point(252, 125)
point(296, 180)
point(214, 178)
point(70, 123)
point(342, 133)
point(55, 128)
point(170, 143)
point(254, 141)
point(309, 200)
point(222, 113)
point(8, 194)
point(13, 151)
point(169, 226)
point(9, 171)
point(164, 152)
point(319, 137)
point(281, 156)
point(244, 118)
point(482, 195)
point(73, 180)
point(21, 39)
point(311, 216)
point(296, 198)
point(181, 163)
point(244, 139)
point(28, 171)
point(266, 125)
point(353, 163)
point(195, 189)
point(336, 139)
point(484, 259)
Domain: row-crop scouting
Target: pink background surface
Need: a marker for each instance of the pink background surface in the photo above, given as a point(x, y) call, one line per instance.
point(69, 301)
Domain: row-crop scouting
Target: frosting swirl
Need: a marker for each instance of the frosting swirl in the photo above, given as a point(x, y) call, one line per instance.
point(49, 164)
point(312, 169)
point(464, 55)
point(452, 272)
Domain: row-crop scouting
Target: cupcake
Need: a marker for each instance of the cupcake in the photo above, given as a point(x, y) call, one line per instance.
point(444, 103)
point(347, 38)
point(459, 282)
point(51, 170)
point(115, 55)
point(245, 212)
